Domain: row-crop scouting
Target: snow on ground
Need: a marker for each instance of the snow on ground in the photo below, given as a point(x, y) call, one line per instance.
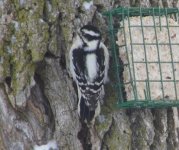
point(87, 5)
point(51, 145)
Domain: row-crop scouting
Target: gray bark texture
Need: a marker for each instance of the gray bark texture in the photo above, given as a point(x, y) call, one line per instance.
point(38, 100)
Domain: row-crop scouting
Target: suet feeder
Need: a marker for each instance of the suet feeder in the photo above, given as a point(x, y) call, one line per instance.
point(144, 43)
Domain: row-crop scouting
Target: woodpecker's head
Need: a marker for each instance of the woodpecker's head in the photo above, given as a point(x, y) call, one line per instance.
point(91, 37)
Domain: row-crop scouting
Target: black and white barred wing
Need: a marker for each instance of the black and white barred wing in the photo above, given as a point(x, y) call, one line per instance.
point(105, 62)
point(77, 66)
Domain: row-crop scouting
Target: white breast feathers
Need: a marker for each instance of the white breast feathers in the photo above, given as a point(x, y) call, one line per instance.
point(91, 65)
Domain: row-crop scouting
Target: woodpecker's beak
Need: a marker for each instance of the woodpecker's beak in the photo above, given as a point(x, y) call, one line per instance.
point(80, 35)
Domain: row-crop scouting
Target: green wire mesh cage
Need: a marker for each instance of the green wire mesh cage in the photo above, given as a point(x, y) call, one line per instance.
point(145, 44)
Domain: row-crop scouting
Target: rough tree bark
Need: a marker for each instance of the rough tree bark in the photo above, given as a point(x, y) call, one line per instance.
point(38, 101)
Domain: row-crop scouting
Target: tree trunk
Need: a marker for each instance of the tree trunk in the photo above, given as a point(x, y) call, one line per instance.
point(38, 100)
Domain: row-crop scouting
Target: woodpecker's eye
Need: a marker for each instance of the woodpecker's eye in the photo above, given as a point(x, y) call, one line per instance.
point(89, 37)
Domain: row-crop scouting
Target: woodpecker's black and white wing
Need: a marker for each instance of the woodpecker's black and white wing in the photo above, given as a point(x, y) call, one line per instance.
point(74, 61)
point(105, 61)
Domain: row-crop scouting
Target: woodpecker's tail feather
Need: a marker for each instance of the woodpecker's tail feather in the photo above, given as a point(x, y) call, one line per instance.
point(88, 115)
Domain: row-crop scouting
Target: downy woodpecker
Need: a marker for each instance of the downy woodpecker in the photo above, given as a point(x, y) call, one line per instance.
point(89, 63)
